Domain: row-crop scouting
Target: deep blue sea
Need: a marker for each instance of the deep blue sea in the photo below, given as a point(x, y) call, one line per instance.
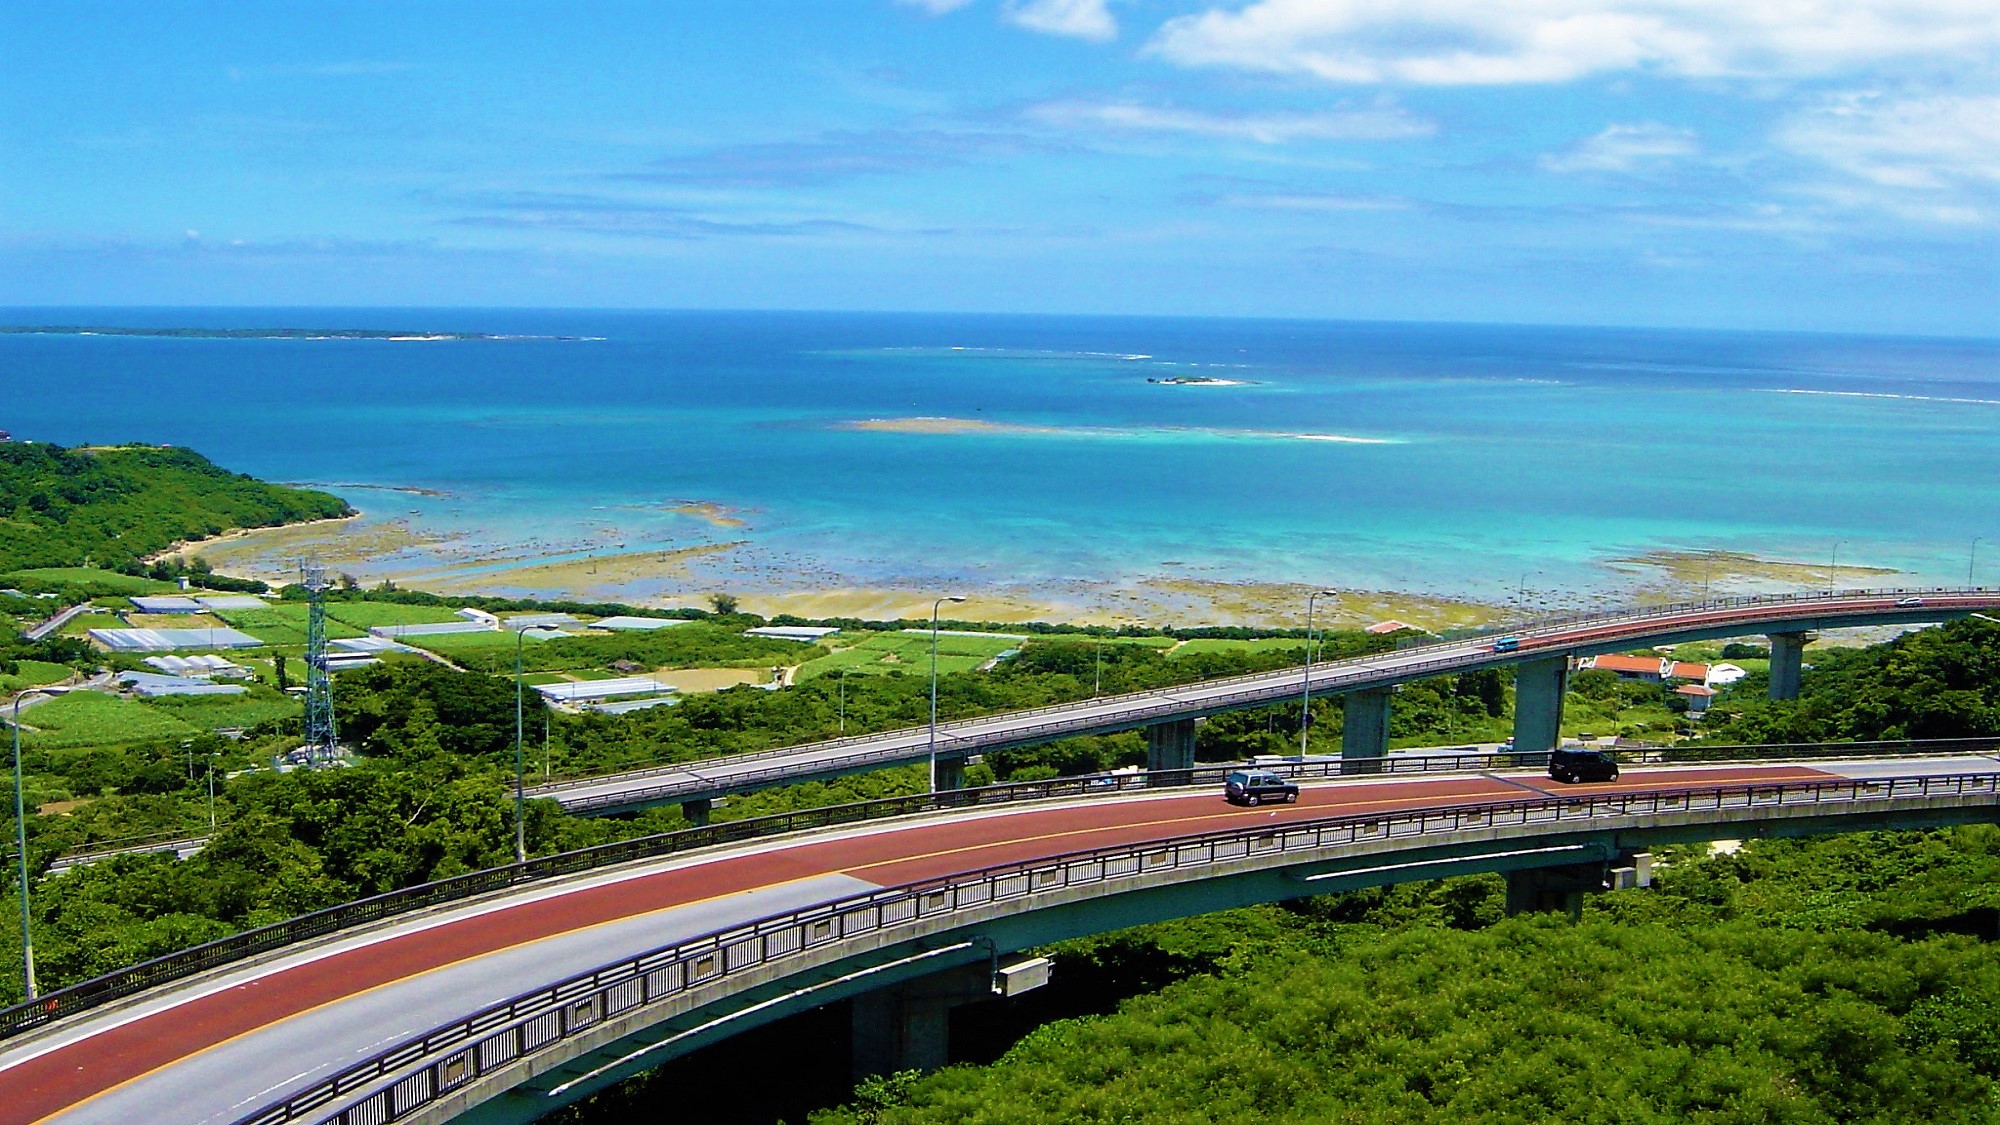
point(1484, 453)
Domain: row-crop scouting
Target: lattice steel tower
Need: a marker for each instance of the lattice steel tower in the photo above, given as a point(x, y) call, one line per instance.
point(320, 743)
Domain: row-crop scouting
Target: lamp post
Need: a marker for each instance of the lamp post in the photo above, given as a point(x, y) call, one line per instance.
point(1833, 566)
point(1306, 684)
point(520, 767)
point(1097, 680)
point(843, 701)
point(21, 845)
point(934, 632)
point(1971, 559)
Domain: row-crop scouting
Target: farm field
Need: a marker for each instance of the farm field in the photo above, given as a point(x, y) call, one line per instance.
point(213, 712)
point(283, 624)
point(33, 673)
point(88, 718)
point(367, 615)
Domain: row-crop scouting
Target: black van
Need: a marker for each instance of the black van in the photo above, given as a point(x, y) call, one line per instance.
point(1578, 763)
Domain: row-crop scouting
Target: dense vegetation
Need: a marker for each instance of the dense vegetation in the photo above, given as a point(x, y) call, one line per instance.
point(1933, 683)
point(1823, 981)
point(115, 506)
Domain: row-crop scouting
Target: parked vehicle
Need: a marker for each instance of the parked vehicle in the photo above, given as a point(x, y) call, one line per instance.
point(1255, 787)
point(1582, 763)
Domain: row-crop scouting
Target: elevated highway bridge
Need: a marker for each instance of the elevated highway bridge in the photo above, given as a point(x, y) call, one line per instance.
point(1541, 654)
point(541, 984)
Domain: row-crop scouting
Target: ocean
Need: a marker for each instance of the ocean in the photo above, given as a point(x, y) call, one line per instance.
point(940, 451)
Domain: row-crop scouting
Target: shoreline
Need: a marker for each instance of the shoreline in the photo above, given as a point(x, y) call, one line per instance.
point(686, 574)
point(190, 548)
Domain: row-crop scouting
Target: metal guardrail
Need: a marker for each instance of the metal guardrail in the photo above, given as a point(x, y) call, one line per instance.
point(1258, 687)
point(84, 995)
point(396, 1082)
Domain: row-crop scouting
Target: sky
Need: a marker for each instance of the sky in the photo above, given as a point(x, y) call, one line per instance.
point(1823, 165)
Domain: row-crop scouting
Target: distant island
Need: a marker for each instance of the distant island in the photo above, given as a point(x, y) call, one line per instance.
point(260, 333)
point(1201, 381)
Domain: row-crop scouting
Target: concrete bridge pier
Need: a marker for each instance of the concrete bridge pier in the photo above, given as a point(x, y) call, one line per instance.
point(908, 1026)
point(1551, 889)
point(1538, 704)
point(1537, 889)
point(1787, 664)
point(1169, 746)
point(950, 772)
point(1364, 731)
point(696, 812)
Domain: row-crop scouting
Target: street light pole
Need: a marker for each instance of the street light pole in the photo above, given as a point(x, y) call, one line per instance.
point(1306, 684)
point(21, 844)
point(843, 701)
point(1097, 681)
point(520, 767)
point(934, 632)
point(1971, 558)
point(1833, 566)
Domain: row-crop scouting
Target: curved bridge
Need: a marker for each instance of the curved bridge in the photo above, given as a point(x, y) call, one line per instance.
point(505, 1007)
point(1541, 656)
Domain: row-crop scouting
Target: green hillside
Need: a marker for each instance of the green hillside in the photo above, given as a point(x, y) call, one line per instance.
point(114, 506)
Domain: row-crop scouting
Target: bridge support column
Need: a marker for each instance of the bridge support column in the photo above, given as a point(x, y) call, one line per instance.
point(1787, 664)
point(1169, 746)
point(1539, 889)
point(908, 1026)
point(950, 772)
point(1364, 731)
point(1538, 704)
point(696, 812)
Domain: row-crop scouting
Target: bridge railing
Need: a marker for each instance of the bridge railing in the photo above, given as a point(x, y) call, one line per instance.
point(860, 751)
point(397, 1082)
point(166, 969)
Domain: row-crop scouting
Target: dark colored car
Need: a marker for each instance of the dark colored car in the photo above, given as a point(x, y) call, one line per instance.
point(1582, 764)
point(1255, 787)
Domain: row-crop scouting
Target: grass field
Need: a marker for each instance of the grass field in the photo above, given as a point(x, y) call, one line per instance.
point(91, 576)
point(84, 622)
point(367, 615)
point(1260, 644)
point(87, 718)
point(884, 653)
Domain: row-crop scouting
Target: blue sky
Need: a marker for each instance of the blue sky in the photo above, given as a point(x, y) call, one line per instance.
point(1813, 164)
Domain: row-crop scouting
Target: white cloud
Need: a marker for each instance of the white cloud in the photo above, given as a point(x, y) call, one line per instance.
point(1623, 148)
point(1480, 42)
point(1308, 201)
point(1925, 143)
point(1370, 123)
point(1082, 19)
point(1923, 159)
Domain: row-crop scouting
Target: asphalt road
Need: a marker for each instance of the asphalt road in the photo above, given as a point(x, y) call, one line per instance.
point(214, 1049)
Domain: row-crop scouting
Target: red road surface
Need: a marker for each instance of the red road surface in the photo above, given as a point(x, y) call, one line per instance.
point(52, 1082)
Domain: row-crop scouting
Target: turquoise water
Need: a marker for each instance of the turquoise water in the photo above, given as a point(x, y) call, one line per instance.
point(1484, 453)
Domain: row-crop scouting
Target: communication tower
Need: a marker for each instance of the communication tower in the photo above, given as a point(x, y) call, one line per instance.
point(320, 744)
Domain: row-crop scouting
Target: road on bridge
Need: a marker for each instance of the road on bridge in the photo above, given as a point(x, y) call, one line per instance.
point(735, 773)
point(216, 1048)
